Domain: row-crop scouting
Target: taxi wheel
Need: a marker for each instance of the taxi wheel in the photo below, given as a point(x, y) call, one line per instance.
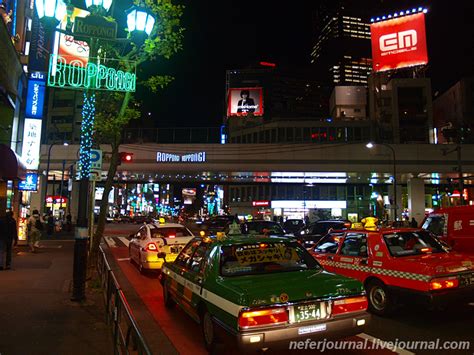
point(208, 331)
point(167, 300)
point(380, 300)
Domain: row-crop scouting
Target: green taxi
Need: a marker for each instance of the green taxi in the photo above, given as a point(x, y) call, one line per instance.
point(262, 291)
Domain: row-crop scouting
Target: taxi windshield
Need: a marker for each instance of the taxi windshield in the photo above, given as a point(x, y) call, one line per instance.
point(265, 258)
point(412, 243)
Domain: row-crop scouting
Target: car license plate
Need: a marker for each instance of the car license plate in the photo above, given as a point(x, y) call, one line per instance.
point(310, 311)
point(467, 280)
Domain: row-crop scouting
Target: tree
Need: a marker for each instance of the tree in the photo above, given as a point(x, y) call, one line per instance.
point(114, 113)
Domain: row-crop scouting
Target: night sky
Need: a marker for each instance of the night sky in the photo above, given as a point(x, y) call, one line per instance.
point(230, 34)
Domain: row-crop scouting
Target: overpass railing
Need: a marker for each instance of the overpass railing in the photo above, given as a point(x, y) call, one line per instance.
point(127, 336)
point(185, 135)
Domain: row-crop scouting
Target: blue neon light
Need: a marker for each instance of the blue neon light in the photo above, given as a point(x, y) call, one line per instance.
point(35, 95)
point(30, 183)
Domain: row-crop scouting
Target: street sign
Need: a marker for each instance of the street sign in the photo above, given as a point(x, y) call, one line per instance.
point(95, 176)
point(96, 159)
point(94, 26)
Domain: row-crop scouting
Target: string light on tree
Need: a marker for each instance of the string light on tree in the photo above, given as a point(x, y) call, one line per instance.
point(87, 127)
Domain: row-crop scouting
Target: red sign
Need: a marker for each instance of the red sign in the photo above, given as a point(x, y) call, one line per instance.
point(260, 203)
point(56, 199)
point(399, 42)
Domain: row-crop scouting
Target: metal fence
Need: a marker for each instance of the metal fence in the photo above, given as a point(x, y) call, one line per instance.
point(127, 337)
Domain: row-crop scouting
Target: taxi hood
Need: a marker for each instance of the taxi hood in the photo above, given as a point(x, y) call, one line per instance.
point(439, 263)
point(280, 287)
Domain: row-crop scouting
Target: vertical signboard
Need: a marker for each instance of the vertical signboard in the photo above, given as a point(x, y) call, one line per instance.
point(35, 95)
point(399, 42)
point(31, 143)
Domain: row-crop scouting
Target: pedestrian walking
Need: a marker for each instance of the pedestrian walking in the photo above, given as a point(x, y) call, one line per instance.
point(34, 227)
point(11, 238)
point(413, 223)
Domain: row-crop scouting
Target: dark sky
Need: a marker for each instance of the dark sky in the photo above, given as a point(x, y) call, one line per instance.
point(230, 34)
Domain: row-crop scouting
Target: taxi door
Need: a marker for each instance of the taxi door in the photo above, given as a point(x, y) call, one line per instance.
point(352, 260)
point(179, 283)
point(194, 277)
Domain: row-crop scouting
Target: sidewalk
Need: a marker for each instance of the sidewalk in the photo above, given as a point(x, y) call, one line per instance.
point(36, 314)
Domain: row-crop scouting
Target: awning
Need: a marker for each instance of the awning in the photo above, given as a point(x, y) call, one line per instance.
point(11, 168)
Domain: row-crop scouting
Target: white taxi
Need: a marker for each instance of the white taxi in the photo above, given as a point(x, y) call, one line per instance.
point(152, 239)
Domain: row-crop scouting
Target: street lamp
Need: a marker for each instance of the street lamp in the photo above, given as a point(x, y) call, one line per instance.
point(51, 11)
point(140, 19)
point(47, 171)
point(99, 7)
point(371, 145)
point(140, 23)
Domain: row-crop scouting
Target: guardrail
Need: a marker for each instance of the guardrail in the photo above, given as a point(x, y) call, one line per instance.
point(127, 337)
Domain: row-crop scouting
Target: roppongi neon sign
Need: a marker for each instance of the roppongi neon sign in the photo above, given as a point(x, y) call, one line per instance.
point(74, 74)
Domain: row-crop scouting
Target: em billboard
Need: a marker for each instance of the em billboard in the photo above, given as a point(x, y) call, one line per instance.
point(399, 42)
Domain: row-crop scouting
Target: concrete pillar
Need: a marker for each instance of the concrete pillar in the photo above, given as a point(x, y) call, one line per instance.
point(391, 212)
point(416, 199)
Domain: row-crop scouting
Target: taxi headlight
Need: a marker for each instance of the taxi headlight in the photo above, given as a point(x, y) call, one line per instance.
point(444, 283)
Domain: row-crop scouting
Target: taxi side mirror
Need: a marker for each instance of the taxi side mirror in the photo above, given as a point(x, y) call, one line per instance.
point(162, 255)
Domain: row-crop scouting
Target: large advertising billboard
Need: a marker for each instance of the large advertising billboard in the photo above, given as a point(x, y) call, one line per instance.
point(399, 42)
point(69, 47)
point(242, 101)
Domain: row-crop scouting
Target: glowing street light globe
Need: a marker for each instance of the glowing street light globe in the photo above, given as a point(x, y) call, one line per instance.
point(140, 20)
point(51, 10)
point(101, 6)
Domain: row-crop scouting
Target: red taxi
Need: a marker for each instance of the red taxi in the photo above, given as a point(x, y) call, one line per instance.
point(397, 264)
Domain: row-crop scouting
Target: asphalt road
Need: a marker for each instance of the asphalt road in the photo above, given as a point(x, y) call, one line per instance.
point(410, 323)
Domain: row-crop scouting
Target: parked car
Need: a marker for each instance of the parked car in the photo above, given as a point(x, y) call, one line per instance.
point(153, 238)
point(454, 226)
point(293, 225)
point(261, 292)
point(398, 264)
point(311, 234)
point(262, 227)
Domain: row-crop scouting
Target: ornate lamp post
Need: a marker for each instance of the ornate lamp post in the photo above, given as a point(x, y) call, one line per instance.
point(52, 11)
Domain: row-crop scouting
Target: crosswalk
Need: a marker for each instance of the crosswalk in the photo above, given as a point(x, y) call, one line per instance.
point(116, 241)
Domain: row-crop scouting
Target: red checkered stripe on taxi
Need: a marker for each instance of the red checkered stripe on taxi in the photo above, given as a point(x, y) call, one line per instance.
point(377, 270)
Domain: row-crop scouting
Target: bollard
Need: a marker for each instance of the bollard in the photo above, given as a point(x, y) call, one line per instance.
point(79, 269)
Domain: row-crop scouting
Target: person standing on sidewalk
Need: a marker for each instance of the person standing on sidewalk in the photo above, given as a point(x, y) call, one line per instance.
point(11, 238)
point(35, 227)
point(3, 240)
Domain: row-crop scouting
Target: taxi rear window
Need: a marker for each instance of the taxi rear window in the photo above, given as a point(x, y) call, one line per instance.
point(265, 258)
point(170, 232)
point(412, 243)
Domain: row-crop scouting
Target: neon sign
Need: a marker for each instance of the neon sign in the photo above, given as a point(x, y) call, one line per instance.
point(77, 75)
point(199, 157)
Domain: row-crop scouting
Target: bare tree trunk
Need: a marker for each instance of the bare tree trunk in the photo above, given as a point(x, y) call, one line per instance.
point(104, 204)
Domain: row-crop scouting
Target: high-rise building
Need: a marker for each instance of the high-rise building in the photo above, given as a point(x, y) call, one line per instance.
point(341, 50)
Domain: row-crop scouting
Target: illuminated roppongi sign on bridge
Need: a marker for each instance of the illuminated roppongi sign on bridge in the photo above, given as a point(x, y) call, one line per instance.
point(75, 74)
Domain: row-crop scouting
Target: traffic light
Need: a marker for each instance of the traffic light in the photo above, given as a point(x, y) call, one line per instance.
point(125, 157)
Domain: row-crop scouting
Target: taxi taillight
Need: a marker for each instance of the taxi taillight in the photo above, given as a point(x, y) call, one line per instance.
point(151, 247)
point(263, 317)
point(444, 283)
point(351, 304)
